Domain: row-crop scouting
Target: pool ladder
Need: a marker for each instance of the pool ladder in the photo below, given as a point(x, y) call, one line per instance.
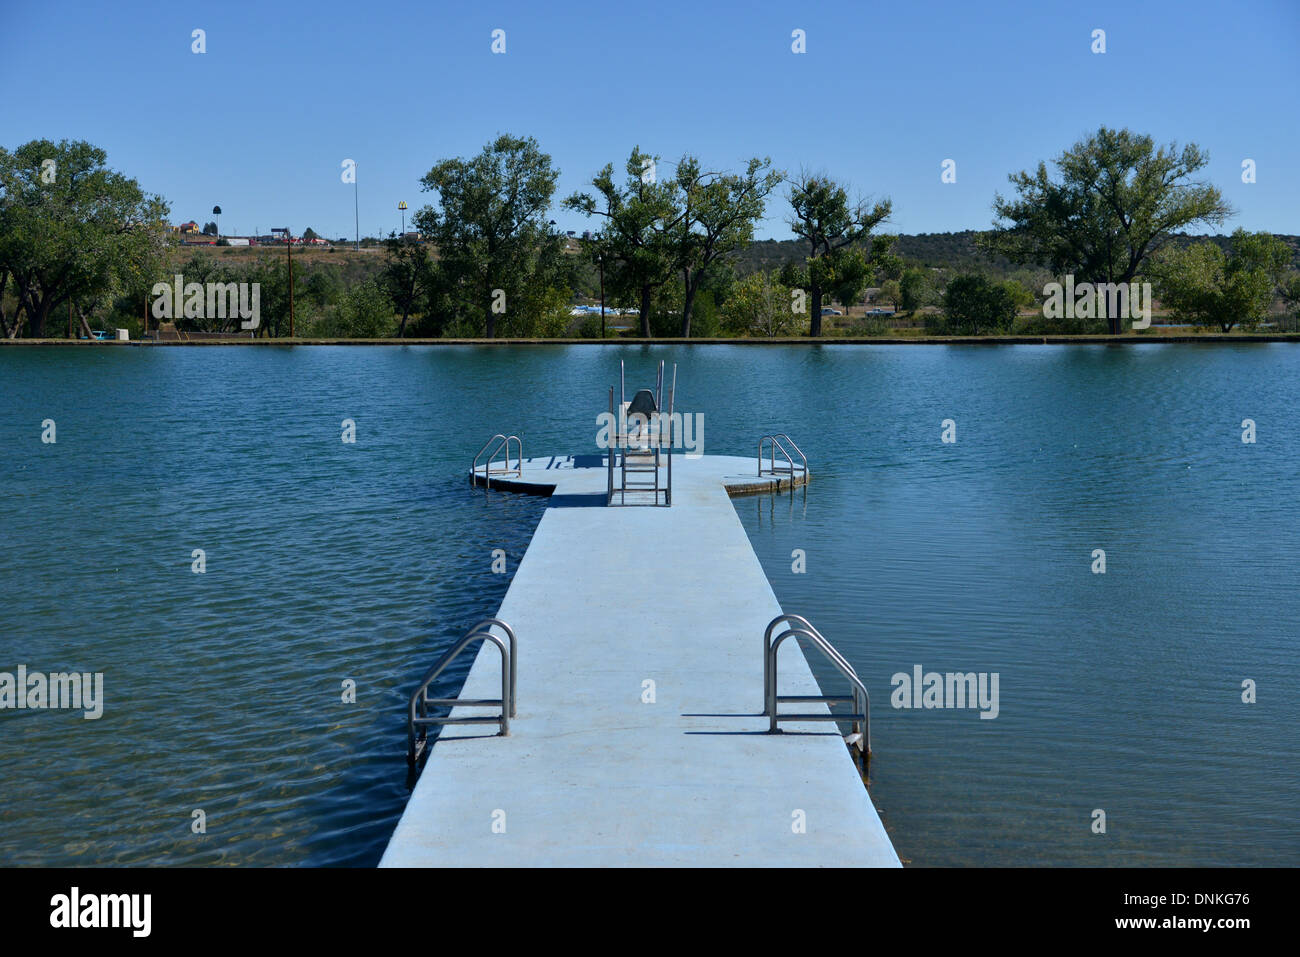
point(800, 627)
point(418, 718)
point(500, 441)
point(778, 441)
point(639, 458)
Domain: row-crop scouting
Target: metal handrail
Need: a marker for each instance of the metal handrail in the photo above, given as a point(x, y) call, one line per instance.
point(505, 440)
point(861, 700)
point(804, 624)
point(418, 717)
point(672, 394)
point(775, 440)
point(649, 440)
point(798, 451)
point(609, 452)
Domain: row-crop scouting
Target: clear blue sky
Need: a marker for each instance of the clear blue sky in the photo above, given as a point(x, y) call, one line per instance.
point(886, 91)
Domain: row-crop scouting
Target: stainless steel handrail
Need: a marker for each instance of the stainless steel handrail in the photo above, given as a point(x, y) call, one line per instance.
point(798, 451)
point(775, 440)
point(798, 620)
point(672, 394)
point(806, 625)
point(505, 440)
point(418, 717)
point(609, 451)
point(648, 441)
point(861, 700)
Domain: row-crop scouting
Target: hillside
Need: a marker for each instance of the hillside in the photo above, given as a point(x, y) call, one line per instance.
point(954, 251)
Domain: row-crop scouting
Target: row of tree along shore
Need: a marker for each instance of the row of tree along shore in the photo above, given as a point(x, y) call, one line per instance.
point(1082, 249)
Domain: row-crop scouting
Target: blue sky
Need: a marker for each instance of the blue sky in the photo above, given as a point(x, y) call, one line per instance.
point(286, 91)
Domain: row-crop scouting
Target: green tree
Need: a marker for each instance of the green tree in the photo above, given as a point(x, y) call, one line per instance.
point(1118, 201)
point(405, 277)
point(272, 275)
point(323, 285)
point(209, 229)
point(888, 264)
point(1202, 285)
point(634, 240)
point(366, 312)
point(824, 219)
point(1020, 295)
point(974, 306)
point(310, 234)
point(891, 291)
point(761, 305)
point(715, 217)
point(914, 290)
point(72, 230)
point(1291, 297)
point(490, 229)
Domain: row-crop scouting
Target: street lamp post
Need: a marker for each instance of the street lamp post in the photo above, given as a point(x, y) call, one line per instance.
point(288, 245)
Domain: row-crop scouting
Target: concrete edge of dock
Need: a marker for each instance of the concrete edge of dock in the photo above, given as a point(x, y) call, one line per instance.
point(735, 486)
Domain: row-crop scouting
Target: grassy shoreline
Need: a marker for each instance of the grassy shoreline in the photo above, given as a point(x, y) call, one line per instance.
point(1008, 340)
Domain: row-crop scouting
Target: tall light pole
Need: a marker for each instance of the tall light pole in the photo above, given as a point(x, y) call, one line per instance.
point(289, 247)
point(402, 206)
point(216, 211)
point(356, 216)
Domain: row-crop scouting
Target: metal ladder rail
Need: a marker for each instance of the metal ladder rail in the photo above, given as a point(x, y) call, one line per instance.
point(804, 624)
point(861, 717)
point(644, 451)
point(505, 440)
point(622, 430)
point(672, 393)
point(774, 444)
point(418, 706)
point(773, 468)
point(610, 452)
point(798, 451)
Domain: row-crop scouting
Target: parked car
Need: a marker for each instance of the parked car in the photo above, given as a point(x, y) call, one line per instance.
point(880, 312)
point(828, 311)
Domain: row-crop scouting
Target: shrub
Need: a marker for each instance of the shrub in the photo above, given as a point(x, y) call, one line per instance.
point(974, 306)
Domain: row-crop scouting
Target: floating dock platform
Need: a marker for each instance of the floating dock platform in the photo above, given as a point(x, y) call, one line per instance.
point(639, 737)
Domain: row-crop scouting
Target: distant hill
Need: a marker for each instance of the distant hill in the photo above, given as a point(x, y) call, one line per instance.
point(955, 251)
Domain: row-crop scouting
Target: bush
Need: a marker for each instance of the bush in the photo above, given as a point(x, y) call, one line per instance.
point(365, 312)
point(914, 290)
point(1040, 325)
point(760, 305)
point(974, 306)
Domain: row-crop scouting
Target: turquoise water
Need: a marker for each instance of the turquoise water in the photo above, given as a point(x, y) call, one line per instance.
point(327, 561)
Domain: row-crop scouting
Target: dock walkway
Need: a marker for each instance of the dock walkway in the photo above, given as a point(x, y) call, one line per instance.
point(605, 600)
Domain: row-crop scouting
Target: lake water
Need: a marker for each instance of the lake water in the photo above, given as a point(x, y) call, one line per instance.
point(328, 561)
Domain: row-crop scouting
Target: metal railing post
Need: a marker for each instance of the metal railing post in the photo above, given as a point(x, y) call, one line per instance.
point(417, 717)
point(860, 720)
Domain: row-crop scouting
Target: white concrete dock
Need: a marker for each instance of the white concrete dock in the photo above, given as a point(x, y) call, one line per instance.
point(605, 600)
